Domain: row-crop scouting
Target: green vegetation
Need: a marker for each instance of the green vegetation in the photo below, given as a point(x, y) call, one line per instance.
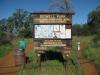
point(60, 6)
point(18, 24)
point(4, 49)
point(52, 67)
point(93, 54)
point(9, 46)
point(5, 43)
point(90, 50)
point(92, 27)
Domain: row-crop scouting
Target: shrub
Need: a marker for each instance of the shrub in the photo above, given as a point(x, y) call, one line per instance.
point(96, 40)
point(27, 33)
point(5, 37)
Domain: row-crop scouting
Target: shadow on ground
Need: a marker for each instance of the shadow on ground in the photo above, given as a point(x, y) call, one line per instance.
point(52, 55)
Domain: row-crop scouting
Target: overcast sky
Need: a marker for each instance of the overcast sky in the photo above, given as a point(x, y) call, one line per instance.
point(80, 7)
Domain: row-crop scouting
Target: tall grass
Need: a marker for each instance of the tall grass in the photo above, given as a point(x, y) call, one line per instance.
point(4, 49)
point(93, 54)
point(91, 51)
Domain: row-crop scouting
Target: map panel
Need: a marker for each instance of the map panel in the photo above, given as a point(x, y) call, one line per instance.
point(52, 31)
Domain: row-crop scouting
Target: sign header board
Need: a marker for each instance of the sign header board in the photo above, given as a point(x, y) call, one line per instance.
point(51, 18)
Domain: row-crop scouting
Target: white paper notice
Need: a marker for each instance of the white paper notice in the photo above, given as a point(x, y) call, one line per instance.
point(68, 33)
point(52, 31)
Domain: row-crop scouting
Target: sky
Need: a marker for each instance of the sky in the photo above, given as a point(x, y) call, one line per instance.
point(80, 7)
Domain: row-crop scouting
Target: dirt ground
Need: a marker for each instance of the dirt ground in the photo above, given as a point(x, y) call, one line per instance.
point(7, 64)
point(88, 67)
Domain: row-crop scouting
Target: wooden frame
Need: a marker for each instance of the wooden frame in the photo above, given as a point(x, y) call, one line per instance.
point(68, 24)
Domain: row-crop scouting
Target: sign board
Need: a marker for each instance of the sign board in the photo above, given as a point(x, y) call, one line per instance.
point(44, 43)
point(52, 32)
point(52, 29)
point(51, 18)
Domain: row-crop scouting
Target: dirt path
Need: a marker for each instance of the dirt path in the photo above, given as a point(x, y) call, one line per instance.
point(7, 63)
point(88, 67)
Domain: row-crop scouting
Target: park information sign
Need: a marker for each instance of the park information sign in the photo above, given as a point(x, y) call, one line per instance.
point(51, 29)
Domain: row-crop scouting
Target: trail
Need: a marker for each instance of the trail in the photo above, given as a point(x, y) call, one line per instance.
point(7, 63)
point(88, 67)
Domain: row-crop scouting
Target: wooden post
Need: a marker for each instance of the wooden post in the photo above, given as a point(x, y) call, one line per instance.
point(39, 60)
point(65, 65)
point(66, 53)
point(78, 48)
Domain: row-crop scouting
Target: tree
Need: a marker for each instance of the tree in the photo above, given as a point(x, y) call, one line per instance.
point(19, 17)
point(85, 30)
point(20, 20)
point(25, 32)
point(3, 24)
point(94, 24)
point(77, 29)
point(28, 21)
point(10, 23)
point(61, 5)
point(23, 23)
point(94, 21)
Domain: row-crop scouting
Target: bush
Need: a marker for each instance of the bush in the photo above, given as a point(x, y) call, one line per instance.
point(96, 40)
point(27, 33)
point(5, 37)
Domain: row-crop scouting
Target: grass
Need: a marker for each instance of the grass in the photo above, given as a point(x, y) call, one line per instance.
point(53, 67)
point(91, 51)
point(4, 49)
point(8, 47)
point(93, 54)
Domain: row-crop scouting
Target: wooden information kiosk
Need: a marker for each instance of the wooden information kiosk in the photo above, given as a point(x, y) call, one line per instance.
point(52, 30)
